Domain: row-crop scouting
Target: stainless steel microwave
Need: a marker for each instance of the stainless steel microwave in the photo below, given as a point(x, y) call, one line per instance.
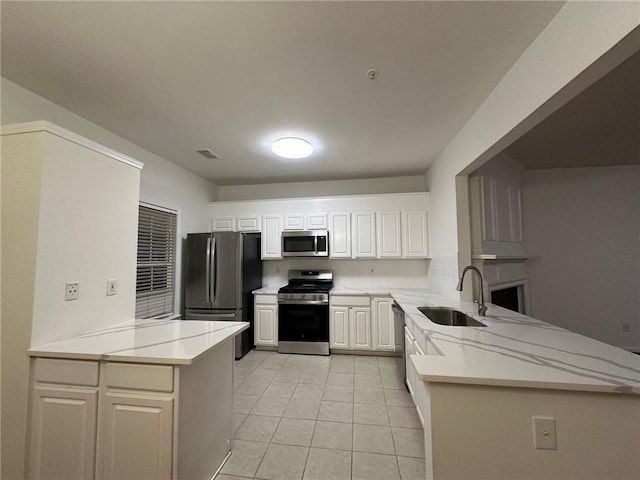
point(308, 243)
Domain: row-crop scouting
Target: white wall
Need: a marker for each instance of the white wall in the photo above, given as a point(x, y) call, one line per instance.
point(584, 224)
point(162, 182)
point(322, 189)
point(539, 83)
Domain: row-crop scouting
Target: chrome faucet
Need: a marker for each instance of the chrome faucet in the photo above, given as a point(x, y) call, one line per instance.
point(482, 308)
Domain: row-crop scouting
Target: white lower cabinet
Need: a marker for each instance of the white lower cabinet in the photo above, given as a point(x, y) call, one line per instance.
point(360, 328)
point(350, 323)
point(120, 420)
point(136, 437)
point(416, 386)
point(265, 320)
point(266, 325)
point(410, 349)
point(383, 324)
point(63, 432)
point(339, 327)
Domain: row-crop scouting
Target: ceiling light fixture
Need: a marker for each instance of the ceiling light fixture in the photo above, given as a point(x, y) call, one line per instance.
point(292, 147)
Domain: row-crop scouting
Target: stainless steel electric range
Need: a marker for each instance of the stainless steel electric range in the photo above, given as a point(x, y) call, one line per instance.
point(303, 312)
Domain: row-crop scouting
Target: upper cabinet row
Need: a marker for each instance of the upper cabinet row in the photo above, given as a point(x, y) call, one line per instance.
point(365, 234)
point(359, 226)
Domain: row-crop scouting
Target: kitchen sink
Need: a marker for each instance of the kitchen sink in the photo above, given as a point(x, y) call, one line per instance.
point(449, 316)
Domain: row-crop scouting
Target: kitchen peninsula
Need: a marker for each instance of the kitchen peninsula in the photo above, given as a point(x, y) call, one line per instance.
point(480, 390)
point(139, 399)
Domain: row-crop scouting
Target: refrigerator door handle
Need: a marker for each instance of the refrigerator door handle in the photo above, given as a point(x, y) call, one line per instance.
point(213, 260)
point(208, 271)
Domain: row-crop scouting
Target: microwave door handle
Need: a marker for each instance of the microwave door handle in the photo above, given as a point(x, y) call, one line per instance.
point(315, 244)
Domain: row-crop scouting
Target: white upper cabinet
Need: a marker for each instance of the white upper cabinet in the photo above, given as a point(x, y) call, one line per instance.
point(388, 235)
point(249, 223)
point(415, 234)
point(223, 224)
point(496, 209)
point(271, 237)
point(294, 221)
point(316, 221)
point(340, 235)
point(363, 234)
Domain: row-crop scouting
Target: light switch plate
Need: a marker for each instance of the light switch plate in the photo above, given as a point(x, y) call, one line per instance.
point(544, 433)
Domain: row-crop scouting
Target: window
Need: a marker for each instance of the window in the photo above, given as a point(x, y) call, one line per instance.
point(156, 267)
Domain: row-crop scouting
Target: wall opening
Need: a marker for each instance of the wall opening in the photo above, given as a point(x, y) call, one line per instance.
point(511, 298)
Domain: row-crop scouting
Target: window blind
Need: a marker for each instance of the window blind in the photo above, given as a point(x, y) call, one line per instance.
point(155, 277)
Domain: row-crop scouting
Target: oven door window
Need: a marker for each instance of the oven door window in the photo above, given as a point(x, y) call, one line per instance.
point(303, 323)
point(298, 244)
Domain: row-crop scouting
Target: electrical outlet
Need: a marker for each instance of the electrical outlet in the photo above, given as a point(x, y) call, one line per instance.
point(72, 291)
point(544, 433)
point(112, 287)
point(626, 327)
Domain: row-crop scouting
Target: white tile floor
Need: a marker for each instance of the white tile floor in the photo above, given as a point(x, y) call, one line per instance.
point(307, 417)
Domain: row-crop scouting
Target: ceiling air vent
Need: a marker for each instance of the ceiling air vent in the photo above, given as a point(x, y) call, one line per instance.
point(208, 153)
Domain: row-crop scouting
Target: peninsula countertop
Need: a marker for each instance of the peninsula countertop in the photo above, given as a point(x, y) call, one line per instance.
point(516, 350)
point(170, 342)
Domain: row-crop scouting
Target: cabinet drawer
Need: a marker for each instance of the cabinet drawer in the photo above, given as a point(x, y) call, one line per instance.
point(351, 301)
point(266, 299)
point(158, 378)
point(69, 372)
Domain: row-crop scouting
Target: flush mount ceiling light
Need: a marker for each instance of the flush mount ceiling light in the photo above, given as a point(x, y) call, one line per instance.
point(292, 147)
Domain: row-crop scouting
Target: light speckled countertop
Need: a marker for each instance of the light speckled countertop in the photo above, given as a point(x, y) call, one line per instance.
point(172, 342)
point(516, 350)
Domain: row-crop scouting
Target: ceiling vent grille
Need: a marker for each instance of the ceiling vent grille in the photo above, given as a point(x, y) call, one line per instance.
point(208, 153)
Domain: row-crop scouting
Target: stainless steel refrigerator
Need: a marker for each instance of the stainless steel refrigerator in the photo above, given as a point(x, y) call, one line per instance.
point(221, 271)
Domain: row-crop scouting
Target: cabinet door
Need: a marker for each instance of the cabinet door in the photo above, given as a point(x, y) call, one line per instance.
point(415, 234)
point(409, 349)
point(266, 325)
point(136, 437)
point(360, 328)
point(340, 235)
point(418, 392)
point(339, 327)
point(223, 224)
point(63, 433)
point(271, 237)
point(363, 234)
point(388, 235)
point(316, 221)
point(383, 325)
point(249, 223)
point(294, 221)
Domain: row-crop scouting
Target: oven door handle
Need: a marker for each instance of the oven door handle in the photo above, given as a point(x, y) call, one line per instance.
point(303, 302)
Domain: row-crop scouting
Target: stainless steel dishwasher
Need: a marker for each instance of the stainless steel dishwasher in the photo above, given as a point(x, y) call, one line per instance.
point(398, 328)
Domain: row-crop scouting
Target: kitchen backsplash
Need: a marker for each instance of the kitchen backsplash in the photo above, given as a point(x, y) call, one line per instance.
point(354, 273)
